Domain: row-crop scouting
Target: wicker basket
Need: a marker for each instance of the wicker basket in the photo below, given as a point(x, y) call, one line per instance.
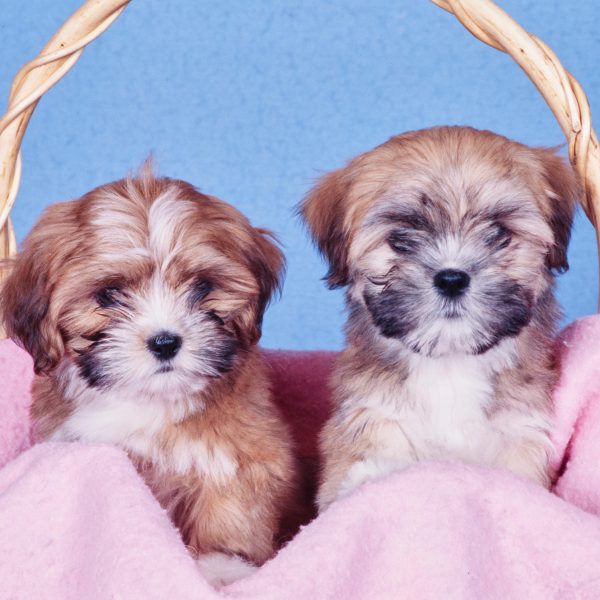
point(482, 18)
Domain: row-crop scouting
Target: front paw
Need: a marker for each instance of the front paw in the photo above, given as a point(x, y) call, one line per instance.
point(528, 463)
point(368, 469)
point(221, 569)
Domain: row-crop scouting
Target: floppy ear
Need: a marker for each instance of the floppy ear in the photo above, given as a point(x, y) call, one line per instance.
point(268, 265)
point(323, 211)
point(563, 191)
point(24, 302)
point(26, 293)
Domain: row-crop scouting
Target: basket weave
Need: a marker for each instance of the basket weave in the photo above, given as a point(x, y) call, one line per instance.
point(482, 18)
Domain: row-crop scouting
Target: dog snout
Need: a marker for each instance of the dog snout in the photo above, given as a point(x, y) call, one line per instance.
point(451, 282)
point(164, 345)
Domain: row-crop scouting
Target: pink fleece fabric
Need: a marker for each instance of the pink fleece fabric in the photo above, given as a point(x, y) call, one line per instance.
point(77, 522)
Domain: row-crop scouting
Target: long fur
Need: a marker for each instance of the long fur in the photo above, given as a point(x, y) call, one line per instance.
point(424, 375)
point(96, 279)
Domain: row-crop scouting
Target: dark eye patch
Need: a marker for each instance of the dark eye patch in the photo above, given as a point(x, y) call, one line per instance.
point(425, 200)
point(499, 236)
point(96, 337)
point(215, 317)
point(200, 289)
point(108, 295)
point(409, 219)
point(401, 241)
point(416, 221)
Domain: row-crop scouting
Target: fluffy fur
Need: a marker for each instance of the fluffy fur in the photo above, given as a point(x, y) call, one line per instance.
point(98, 281)
point(434, 373)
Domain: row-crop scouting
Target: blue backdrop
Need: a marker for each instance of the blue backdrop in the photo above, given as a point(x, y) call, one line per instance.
point(251, 100)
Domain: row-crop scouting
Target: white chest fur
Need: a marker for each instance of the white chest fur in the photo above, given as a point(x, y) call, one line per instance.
point(136, 426)
point(439, 411)
point(443, 405)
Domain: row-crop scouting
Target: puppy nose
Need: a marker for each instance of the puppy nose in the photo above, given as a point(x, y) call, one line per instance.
point(165, 345)
point(451, 282)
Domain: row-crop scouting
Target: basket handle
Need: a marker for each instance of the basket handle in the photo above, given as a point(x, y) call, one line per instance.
point(32, 81)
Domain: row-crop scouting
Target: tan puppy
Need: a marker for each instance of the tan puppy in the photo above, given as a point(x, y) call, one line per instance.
point(446, 240)
point(141, 304)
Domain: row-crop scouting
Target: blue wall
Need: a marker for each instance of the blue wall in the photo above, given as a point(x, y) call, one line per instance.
point(251, 100)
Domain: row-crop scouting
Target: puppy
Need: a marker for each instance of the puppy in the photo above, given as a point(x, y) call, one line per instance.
point(141, 305)
point(446, 241)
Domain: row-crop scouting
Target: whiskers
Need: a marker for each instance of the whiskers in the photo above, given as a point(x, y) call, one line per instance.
point(452, 308)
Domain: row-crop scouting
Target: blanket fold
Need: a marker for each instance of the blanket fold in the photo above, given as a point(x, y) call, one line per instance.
point(76, 521)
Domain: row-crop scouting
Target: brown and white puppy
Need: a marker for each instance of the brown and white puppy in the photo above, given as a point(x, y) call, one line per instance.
point(141, 305)
point(447, 241)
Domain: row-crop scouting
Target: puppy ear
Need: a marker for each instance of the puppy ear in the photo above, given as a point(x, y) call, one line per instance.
point(25, 305)
point(323, 211)
point(563, 189)
point(26, 294)
point(268, 265)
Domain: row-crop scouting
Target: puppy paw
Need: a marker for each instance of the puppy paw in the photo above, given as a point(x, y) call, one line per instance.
point(221, 569)
point(369, 469)
point(529, 464)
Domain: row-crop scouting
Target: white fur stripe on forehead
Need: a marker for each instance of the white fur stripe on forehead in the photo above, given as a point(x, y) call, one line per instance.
point(118, 227)
point(115, 220)
point(126, 229)
point(166, 219)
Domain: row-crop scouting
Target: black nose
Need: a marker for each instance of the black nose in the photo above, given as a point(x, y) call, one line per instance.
point(451, 282)
point(164, 345)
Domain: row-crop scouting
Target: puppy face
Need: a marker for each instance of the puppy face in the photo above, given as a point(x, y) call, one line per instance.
point(144, 284)
point(446, 237)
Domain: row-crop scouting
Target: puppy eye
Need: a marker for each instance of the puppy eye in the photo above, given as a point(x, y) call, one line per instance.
point(107, 296)
point(500, 237)
point(200, 289)
point(418, 222)
point(400, 241)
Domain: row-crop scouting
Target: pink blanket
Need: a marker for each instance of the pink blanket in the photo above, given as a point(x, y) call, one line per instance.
point(77, 522)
